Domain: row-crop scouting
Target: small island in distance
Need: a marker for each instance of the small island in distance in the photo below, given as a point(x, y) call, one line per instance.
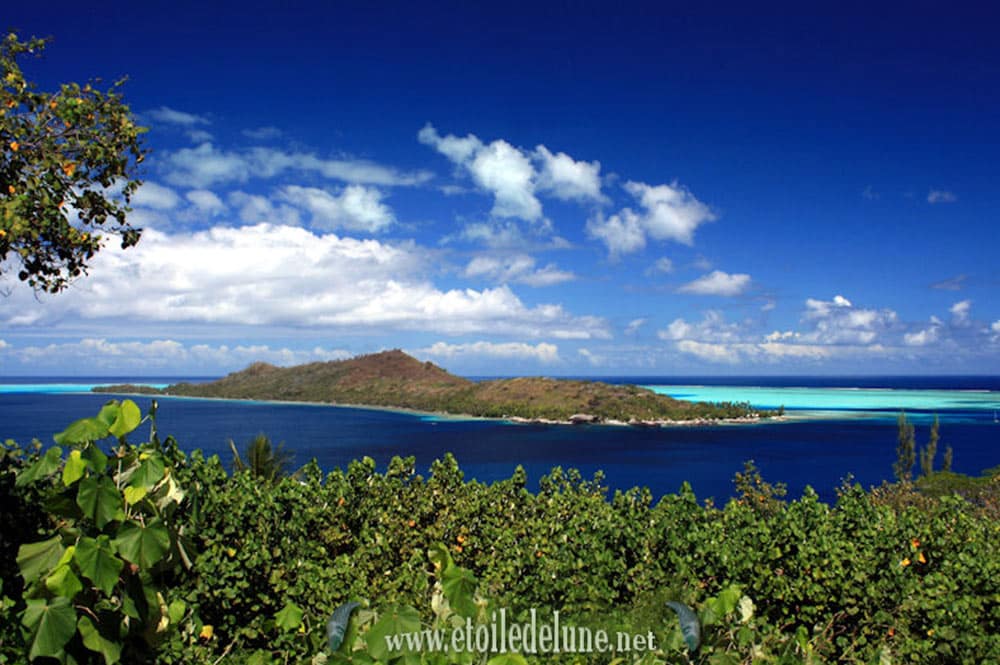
point(393, 379)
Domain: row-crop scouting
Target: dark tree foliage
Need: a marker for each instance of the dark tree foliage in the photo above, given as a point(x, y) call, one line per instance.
point(906, 454)
point(68, 165)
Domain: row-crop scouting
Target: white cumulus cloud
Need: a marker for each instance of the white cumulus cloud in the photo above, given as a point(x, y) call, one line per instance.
point(668, 212)
point(355, 207)
point(514, 176)
point(276, 275)
point(157, 197)
point(206, 202)
point(717, 283)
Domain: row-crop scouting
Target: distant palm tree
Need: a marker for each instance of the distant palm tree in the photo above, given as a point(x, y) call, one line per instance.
point(263, 460)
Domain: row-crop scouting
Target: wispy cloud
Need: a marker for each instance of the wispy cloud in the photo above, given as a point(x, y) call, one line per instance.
point(205, 165)
point(518, 268)
point(541, 352)
point(99, 354)
point(941, 196)
point(262, 133)
point(170, 116)
point(951, 284)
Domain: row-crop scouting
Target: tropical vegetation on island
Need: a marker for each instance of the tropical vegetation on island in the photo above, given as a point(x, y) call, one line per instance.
point(395, 379)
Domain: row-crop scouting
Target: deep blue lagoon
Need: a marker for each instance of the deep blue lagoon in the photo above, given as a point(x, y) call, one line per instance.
point(836, 427)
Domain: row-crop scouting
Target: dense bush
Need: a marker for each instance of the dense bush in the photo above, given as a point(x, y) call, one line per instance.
point(867, 580)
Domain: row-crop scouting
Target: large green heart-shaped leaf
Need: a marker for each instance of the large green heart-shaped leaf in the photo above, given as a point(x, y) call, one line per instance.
point(143, 545)
point(45, 466)
point(74, 469)
point(459, 586)
point(81, 431)
point(393, 623)
point(128, 419)
point(62, 581)
point(99, 500)
point(98, 563)
point(36, 559)
point(108, 413)
point(99, 643)
point(52, 623)
point(149, 472)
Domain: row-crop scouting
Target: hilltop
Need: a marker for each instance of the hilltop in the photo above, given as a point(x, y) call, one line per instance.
point(395, 379)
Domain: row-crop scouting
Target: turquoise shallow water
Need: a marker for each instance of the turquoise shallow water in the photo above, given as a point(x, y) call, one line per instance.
point(838, 399)
point(59, 388)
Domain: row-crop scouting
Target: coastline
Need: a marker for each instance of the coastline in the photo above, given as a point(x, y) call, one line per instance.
point(512, 420)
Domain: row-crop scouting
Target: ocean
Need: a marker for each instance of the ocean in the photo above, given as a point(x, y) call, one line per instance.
point(837, 427)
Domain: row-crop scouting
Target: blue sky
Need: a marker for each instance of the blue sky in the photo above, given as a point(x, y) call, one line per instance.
point(542, 188)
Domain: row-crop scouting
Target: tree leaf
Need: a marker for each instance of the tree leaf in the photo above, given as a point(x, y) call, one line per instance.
point(690, 627)
point(149, 472)
point(63, 581)
point(98, 562)
point(108, 413)
point(99, 500)
point(337, 625)
point(395, 621)
point(82, 431)
point(459, 586)
point(74, 469)
point(52, 623)
point(45, 466)
point(95, 641)
point(96, 459)
point(128, 419)
point(289, 617)
point(143, 545)
point(134, 495)
point(34, 559)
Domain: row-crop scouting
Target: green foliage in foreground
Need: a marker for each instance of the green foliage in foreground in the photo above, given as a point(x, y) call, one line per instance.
point(93, 562)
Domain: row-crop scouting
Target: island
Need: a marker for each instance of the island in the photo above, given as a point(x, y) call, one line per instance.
point(393, 379)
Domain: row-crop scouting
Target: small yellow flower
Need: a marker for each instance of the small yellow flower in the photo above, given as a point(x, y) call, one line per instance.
point(921, 558)
point(15, 146)
point(230, 552)
point(930, 633)
point(10, 189)
point(905, 562)
point(915, 543)
point(206, 632)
